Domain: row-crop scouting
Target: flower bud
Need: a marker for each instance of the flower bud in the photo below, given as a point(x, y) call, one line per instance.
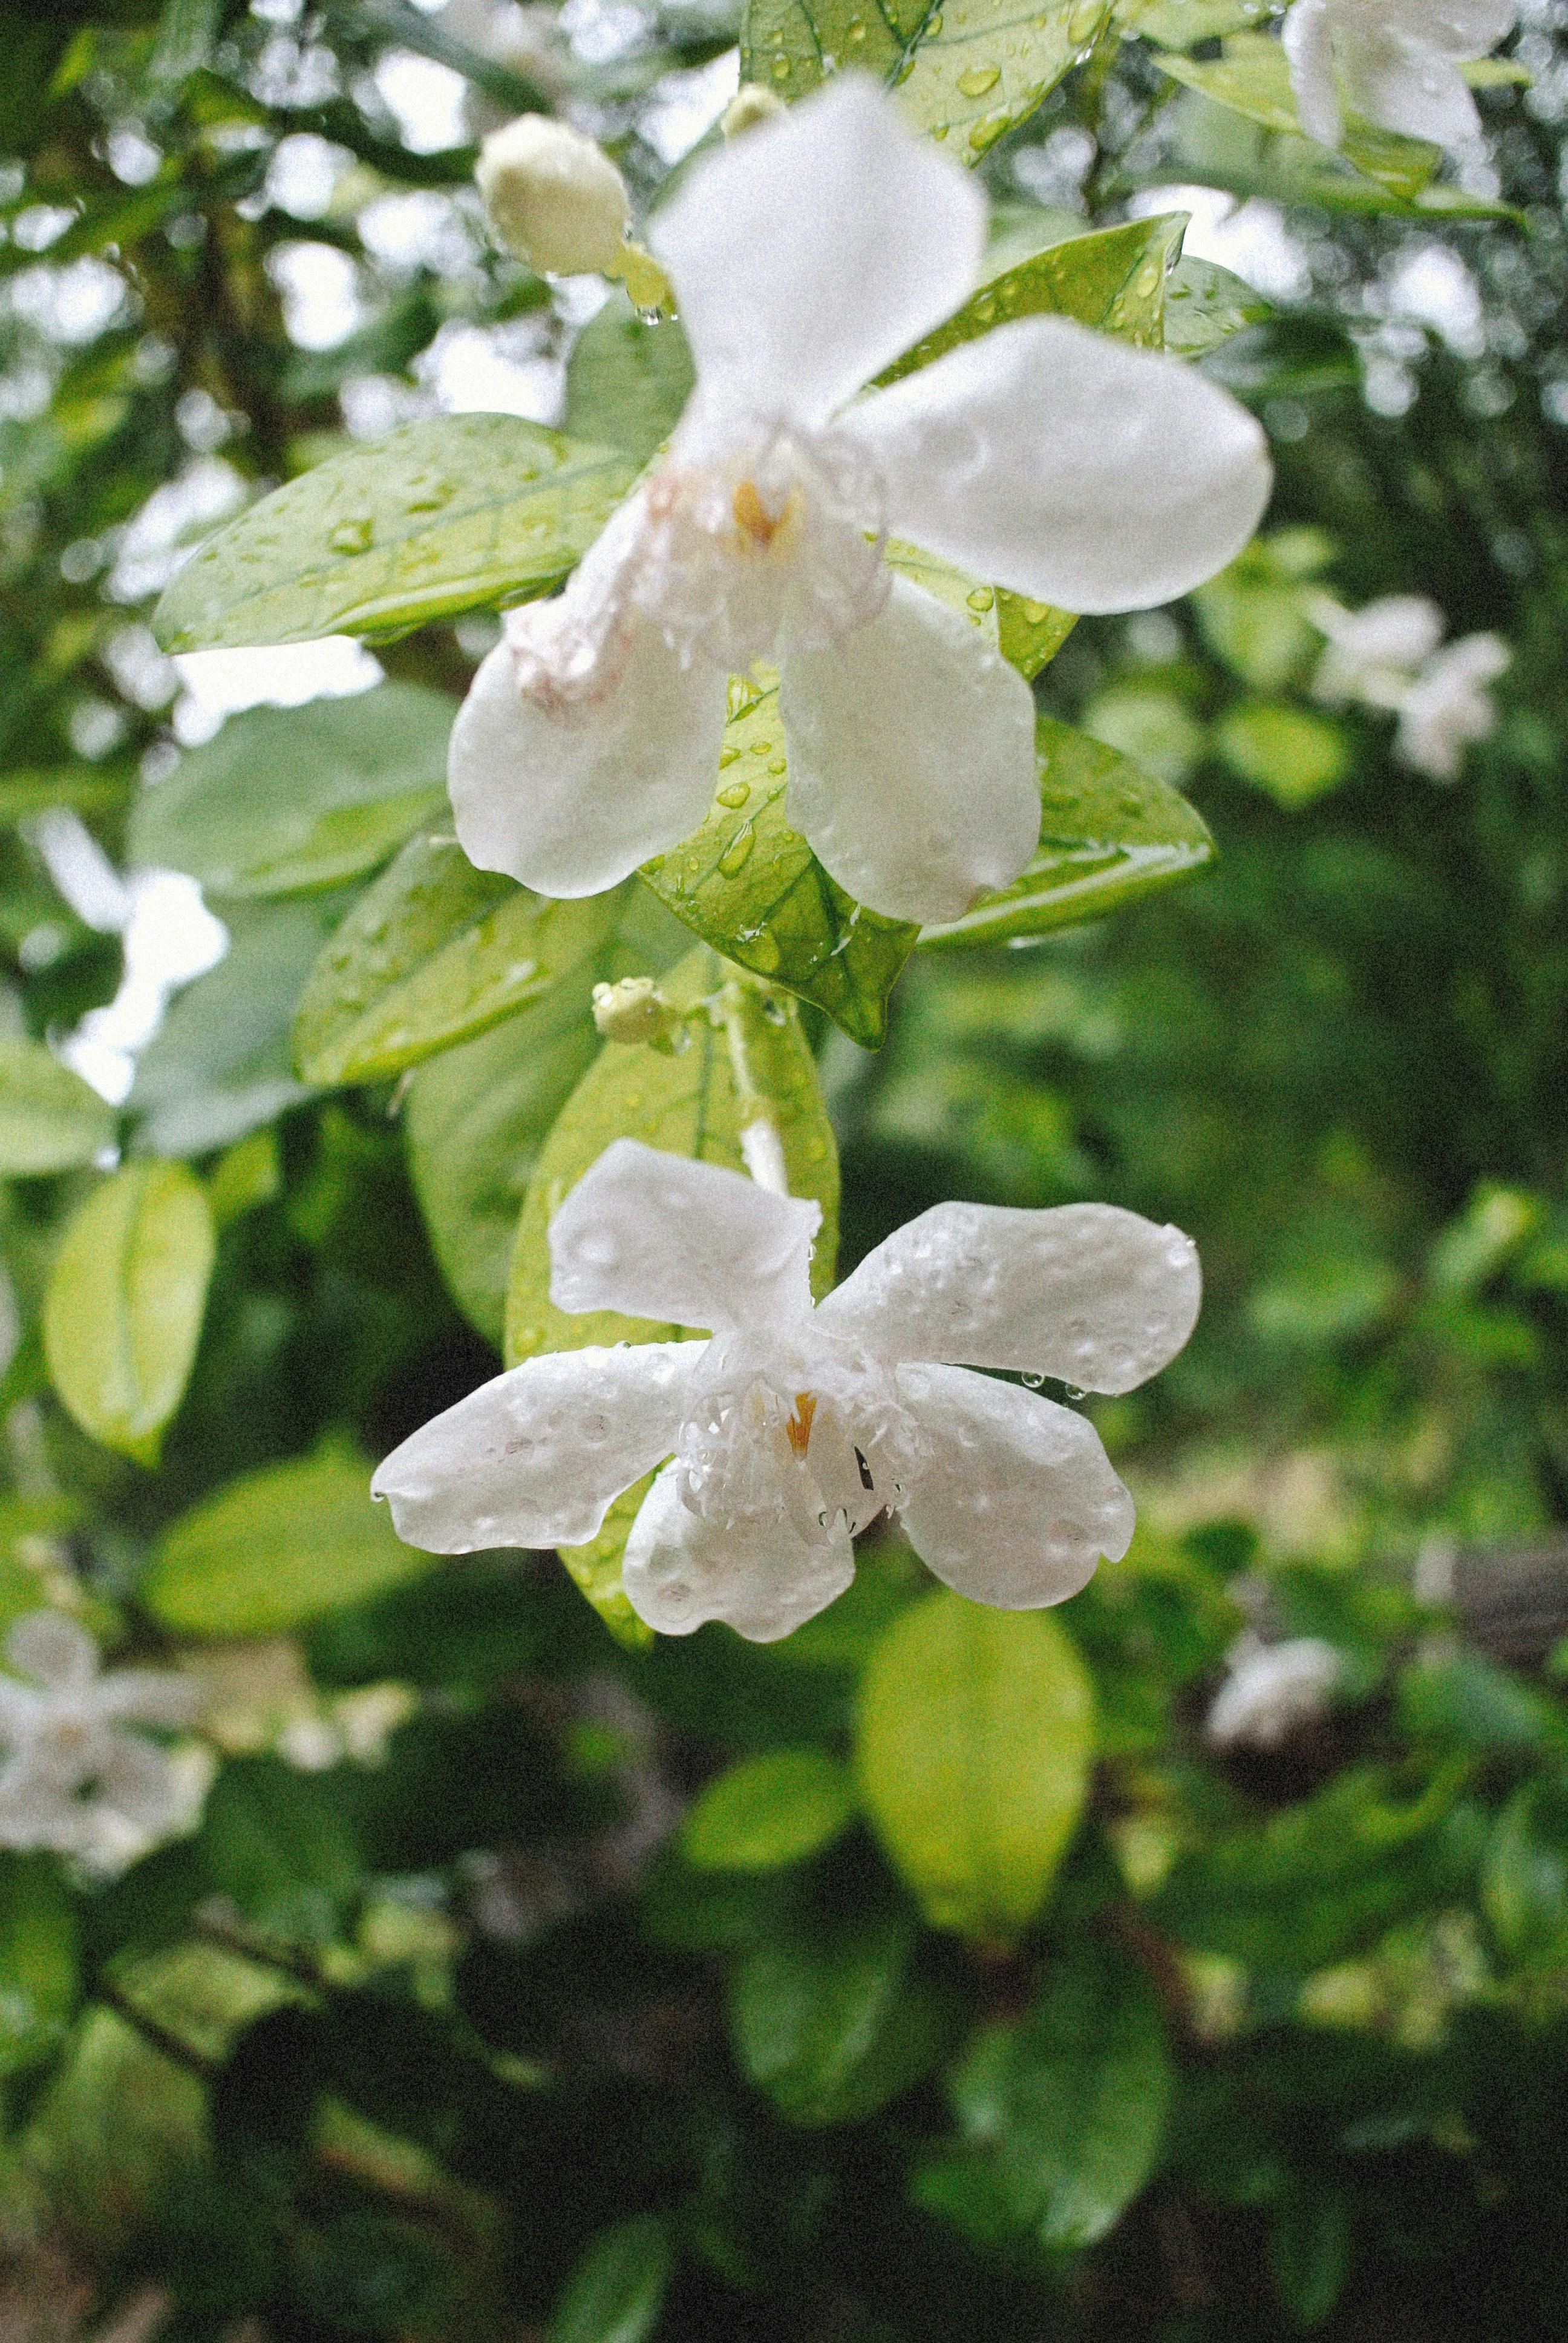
point(635, 1011)
point(751, 105)
point(554, 197)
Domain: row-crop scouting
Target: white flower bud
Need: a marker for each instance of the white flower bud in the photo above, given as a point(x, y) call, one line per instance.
point(634, 1011)
point(750, 105)
point(554, 197)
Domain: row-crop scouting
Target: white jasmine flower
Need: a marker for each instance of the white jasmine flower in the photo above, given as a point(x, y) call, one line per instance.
point(72, 1778)
point(1394, 62)
point(1271, 1691)
point(793, 1426)
point(805, 257)
point(1373, 653)
point(1448, 706)
point(553, 197)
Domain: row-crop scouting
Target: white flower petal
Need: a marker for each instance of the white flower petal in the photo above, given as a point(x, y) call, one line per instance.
point(1458, 28)
point(1409, 86)
point(570, 793)
point(1308, 38)
point(55, 1649)
point(659, 1236)
point(136, 1780)
point(1018, 1501)
point(760, 1576)
point(535, 1457)
point(19, 1704)
point(1099, 1297)
point(1069, 466)
point(910, 747)
point(148, 1697)
point(813, 250)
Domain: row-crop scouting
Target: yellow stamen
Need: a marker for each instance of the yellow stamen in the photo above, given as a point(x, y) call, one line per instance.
point(800, 1424)
point(753, 518)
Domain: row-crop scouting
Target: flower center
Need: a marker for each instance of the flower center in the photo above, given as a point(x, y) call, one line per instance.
point(798, 1427)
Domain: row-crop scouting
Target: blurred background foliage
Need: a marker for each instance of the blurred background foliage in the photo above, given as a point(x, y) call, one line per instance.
point(931, 1973)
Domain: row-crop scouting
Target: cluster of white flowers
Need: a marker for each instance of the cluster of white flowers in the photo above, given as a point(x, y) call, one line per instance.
point(72, 1777)
point(1395, 63)
point(1390, 656)
point(1271, 1691)
point(794, 1426)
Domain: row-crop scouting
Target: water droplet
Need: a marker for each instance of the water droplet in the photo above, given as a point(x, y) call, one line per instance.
point(782, 68)
point(737, 853)
point(1036, 613)
point(762, 953)
point(356, 536)
point(983, 599)
point(735, 794)
point(727, 756)
point(979, 79)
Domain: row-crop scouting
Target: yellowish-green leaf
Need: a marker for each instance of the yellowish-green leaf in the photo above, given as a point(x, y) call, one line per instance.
point(287, 800)
point(1183, 23)
point(432, 954)
point(37, 1959)
point(459, 512)
point(125, 1299)
point(768, 1812)
point(275, 1549)
point(628, 380)
point(595, 1568)
point(975, 1740)
point(50, 1119)
point(1110, 832)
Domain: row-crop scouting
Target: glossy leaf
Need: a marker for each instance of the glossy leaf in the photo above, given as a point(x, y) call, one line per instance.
point(628, 380)
point(966, 73)
point(594, 1569)
point(832, 2020)
point(126, 1296)
point(50, 1119)
point(751, 886)
point(434, 952)
point(1183, 23)
point(455, 513)
point(1109, 833)
point(1205, 304)
point(768, 1812)
point(616, 2292)
point(975, 1740)
point(1066, 2106)
point(275, 1549)
point(287, 800)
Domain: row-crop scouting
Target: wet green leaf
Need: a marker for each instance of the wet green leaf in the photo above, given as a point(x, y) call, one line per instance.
point(50, 1119)
point(751, 886)
point(433, 953)
point(1109, 833)
point(459, 512)
point(976, 1736)
point(1183, 23)
point(617, 2290)
point(287, 800)
point(275, 1549)
point(126, 1296)
point(769, 1811)
point(628, 380)
point(1205, 304)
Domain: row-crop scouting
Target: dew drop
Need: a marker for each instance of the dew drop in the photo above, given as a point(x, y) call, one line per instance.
point(735, 794)
point(983, 599)
point(979, 79)
point(737, 853)
point(356, 536)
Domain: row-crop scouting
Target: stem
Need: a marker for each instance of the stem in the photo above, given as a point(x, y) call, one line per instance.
point(157, 2036)
point(760, 1145)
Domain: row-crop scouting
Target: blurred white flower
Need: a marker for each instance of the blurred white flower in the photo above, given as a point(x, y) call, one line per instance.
point(1449, 706)
point(806, 257)
point(1271, 1691)
point(794, 1426)
point(1394, 61)
point(72, 1777)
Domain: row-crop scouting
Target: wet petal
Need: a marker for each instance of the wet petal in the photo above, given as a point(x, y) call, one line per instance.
point(1068, 466)
point(1308, 38)
point(910, 748)
point(55, 1650)
point(762, 1577)
point(1018, 1502)
point(536, 1457)
point(1409, 87)
point(570, 790)
point(1099, 1297)
point(813, 250)
point(659, 1236)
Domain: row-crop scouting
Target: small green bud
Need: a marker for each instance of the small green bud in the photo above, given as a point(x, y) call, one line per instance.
point(636, 1011)
point(554, 198)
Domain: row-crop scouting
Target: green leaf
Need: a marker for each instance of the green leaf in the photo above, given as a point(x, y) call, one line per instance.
point(50, 1119)
point(1290, 753)
point(126, 1296)
point(1068, 2104)
point(628, 380)
point(617, 2290)
point(187, 32)
point(688, 1104)
point(831, 2018)
point(1183, 23)
point(1310, 2249)
point(84, 788)
point(37, 1960)
point(751, 887)
point(1109, 833)
point(219, 1065)
point(975, 1740)
point(1113, 279)
point(275, 1841)
point(1205, 304)
point(966, 74)
point(1524, 1886)
point(594, 1569)
point(433, 953)
point(275, 1549)
point(287, 800)
point(769, 1811)
point(456, 513)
